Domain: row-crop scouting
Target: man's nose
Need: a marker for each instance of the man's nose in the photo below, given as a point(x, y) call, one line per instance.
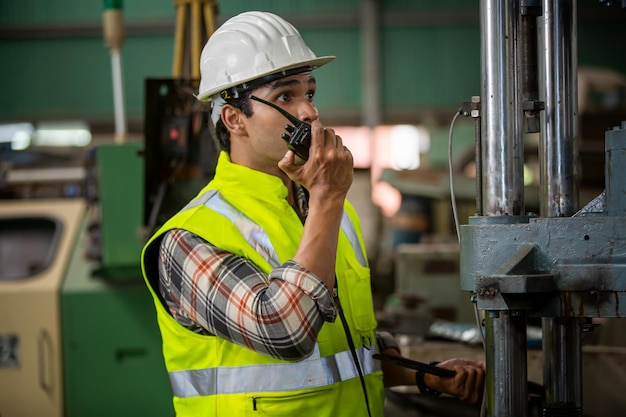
point(307, 112)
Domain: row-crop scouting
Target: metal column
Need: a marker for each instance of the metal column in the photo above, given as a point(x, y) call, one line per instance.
point(503, 191)
point(562, 350)
point(502, 144)
point(566, 266)
point(506, 363)
point(370, 28)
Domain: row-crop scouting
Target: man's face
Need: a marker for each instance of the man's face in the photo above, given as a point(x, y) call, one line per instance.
point(294, 94)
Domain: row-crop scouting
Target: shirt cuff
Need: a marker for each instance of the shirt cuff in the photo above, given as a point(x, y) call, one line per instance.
point(295, 274)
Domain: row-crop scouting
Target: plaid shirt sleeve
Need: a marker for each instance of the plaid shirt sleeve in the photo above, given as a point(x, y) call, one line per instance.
point(212, 291)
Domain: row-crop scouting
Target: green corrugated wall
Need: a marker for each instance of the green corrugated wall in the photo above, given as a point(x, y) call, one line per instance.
point(54, 63)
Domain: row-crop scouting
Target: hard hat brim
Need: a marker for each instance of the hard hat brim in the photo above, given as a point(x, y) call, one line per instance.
point(315, 63)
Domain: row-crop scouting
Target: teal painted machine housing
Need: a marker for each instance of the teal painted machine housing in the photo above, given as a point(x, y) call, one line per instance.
point(554, 267)
point(112, 359)
point(119, 180)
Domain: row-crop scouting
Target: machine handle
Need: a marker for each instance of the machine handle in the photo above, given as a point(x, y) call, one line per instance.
point(44, 344)
point(122, 355)
point(418, 366)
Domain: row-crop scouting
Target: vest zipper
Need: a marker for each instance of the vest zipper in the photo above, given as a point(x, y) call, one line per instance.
point(253, 403)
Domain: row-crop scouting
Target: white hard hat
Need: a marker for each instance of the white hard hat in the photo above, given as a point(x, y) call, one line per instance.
point(249, 46)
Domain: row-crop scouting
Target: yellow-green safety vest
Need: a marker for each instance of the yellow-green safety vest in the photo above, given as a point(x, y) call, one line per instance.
point(246, 213)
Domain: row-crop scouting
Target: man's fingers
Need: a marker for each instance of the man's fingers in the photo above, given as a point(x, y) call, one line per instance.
point(471, 385)
point(318, 134)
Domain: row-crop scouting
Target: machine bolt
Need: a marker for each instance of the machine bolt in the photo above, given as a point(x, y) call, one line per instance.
point(488, 292)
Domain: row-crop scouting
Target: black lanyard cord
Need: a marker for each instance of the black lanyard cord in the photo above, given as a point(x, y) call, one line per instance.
point(355, 357)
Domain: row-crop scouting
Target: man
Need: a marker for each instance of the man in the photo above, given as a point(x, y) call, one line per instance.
point(261, 282)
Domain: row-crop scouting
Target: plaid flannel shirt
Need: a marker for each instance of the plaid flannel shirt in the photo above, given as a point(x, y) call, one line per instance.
point(214, 292)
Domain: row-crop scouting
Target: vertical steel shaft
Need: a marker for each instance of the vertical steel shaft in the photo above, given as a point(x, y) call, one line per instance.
point(562, 366)
point(506, 335)
point(503, 191)
point(503, 164)
point(615, 161)
point(371, 110)
point(558, 153)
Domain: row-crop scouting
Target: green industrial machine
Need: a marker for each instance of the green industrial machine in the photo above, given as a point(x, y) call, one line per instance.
point(112, 361)
point(78, 331)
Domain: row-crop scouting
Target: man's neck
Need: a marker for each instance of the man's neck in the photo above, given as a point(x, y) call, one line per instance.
point(240, 158)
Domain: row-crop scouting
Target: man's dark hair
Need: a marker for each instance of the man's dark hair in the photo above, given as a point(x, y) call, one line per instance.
point(221, 132)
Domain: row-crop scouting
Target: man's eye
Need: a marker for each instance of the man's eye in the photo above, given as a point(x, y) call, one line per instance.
point(283, 97)
point(310, 95)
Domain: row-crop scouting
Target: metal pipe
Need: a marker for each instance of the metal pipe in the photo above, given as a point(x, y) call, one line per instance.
point(562, 366)
point(530, 84)
point(478, 158)
point(529, 52)
point(118, 97)
point(503, 192)
point(506, 364)
point(502, 176)
point(558, 153)
point(615, 161)
point(370, 21)
point(113, 28)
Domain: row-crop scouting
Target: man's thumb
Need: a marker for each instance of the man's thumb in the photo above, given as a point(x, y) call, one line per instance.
point(287, 163)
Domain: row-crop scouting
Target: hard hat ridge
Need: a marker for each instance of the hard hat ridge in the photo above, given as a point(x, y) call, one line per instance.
point(249, 46)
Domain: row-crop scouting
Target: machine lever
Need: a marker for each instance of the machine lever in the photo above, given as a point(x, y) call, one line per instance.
point(44, 346)
point(418, 366)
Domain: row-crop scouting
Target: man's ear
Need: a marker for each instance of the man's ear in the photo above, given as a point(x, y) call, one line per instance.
point(232, 119)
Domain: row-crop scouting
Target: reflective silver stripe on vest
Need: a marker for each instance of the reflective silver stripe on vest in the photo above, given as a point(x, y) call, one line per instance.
point(348, 229)
point(312, 372)
point(252, 232)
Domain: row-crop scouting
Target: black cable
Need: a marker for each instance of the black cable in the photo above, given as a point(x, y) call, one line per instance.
point(346, 329)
